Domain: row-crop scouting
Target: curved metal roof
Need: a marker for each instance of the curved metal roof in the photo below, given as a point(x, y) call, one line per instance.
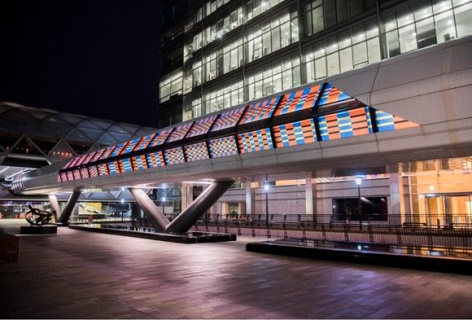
point(33, 137)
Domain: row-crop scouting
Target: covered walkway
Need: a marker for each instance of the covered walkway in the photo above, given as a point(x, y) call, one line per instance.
point(90, 275)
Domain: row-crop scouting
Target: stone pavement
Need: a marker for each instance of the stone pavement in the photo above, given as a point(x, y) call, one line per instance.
point(78, 274)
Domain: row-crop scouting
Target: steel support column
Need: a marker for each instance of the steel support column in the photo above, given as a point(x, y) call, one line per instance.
point(65, 214)
point(184, 221)
point(154, 214)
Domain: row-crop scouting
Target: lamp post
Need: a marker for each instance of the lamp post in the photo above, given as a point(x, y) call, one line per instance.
point(163, 199)
point(266, 189)
point(358, 183)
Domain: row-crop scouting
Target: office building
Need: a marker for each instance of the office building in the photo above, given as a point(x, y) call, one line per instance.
point(221, 54)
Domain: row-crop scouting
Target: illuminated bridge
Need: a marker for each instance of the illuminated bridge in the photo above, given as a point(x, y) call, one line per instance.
point(409, 108)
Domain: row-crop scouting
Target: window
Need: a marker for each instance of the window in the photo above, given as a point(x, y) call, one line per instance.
point(272, 34)
point(351, 48)
point(171, 85)
point(372, 209)
point(274, 77)
point(420, 24)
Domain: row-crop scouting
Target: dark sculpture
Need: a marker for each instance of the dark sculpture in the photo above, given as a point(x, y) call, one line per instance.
point(37, 217)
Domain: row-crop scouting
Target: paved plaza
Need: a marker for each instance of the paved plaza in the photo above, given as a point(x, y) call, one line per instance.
point(78, 274)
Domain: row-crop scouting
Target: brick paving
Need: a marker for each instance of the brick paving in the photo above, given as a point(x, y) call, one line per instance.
point(78, 274)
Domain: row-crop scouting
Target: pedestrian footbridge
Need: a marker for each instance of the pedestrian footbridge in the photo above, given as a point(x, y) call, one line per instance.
point(408, 108)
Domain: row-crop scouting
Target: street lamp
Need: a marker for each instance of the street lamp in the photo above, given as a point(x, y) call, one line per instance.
point(163, 199)
point(266, 189)
point(358, 183)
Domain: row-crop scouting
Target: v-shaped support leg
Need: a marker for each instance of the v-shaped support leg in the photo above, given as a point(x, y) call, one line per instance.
point(155, 216)
point(185, 220)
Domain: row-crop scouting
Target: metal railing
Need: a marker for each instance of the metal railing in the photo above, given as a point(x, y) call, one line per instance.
point(415, 230)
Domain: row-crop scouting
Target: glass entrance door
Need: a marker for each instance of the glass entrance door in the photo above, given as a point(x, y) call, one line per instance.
point(433, 210)
point(458, 209)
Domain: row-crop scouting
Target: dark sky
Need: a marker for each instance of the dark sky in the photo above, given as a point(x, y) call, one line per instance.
point(99, 58)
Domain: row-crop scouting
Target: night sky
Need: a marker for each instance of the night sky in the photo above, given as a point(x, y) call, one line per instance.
point(99, 58)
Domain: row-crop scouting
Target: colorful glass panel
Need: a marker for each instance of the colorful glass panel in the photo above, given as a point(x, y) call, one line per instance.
point(84, 173)
point(345, 124)
point(179, 132)
point(201, 126)
point(389, 122)
point(89, 157)
point(174, 156)
point(257, 140)
point(155, 159)
point(197, 151)
point(125, 165)
point(130, 146)
point(228, 119)
point(107, 152)
point(139, 163)
point(143, 143)
point(118, 149)
point(160, 138)
point(98, 155)
point(295, 133)
point(332, 94)
point(260, 110)
point(113, 167)
point(223, 147)
point(93, 171)
point(102, 169)
point(298, 100)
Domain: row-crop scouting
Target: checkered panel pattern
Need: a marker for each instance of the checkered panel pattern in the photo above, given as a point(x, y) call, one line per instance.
point(84, 173)
point(228, 119)
point(197, 151)
point(345, 124)
point(143, 143)
point(255, 141)
point(155, 159)
point(332, 94)
point(113, 167)
point(389, 122)
point(295, 133)
point(125, 165)
point(139, 163)
point(174, 156)
point(102, 169)
point(298, 100)
point(63, 176)
point(160, 137)
point(260, 110)
point(201, 126)
point(179, 132)
point(76, 174)
point(223, 147)
point(93, 171)
point(70, 176)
